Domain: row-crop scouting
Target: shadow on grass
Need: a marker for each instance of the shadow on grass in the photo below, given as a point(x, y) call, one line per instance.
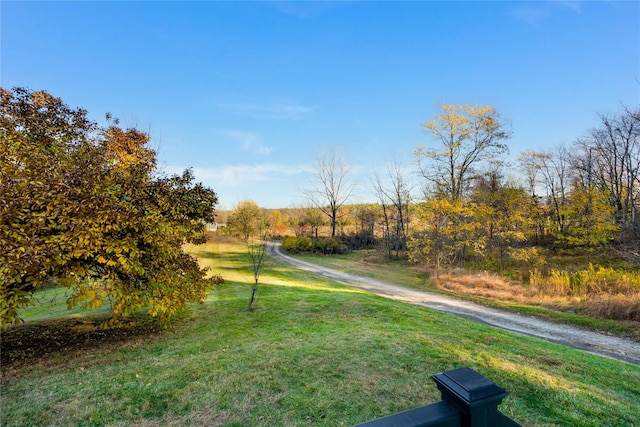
point(212, 255)
point(56, 342)
point(315, 284)
point(59, 341)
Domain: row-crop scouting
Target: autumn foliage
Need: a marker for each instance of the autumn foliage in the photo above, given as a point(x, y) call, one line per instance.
point(83, 207)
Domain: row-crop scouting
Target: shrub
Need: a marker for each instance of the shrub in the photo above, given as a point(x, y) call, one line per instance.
point(330, 246)
point(297, 245)
point(617, 307)
point(361, 240)
point(322, 245)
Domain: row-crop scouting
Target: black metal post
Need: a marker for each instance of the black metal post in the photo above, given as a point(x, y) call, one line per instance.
point(476, 396)
point(468, 400)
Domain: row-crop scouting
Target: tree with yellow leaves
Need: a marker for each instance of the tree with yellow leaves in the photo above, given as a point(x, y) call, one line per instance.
point(440, 232)
point(465, 136)
point(502, 217)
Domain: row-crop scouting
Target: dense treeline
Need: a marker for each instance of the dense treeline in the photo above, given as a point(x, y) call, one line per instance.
point(566, 227)
point(579, 196)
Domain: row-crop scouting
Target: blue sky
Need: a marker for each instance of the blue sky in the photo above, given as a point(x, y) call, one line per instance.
point(248, 93)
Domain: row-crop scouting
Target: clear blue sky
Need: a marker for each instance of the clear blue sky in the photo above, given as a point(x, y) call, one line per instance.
point(247, 93)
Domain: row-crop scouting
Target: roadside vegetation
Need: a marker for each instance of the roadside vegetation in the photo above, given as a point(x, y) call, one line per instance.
point(310, 353)
point(585, 306)
point(557, 234)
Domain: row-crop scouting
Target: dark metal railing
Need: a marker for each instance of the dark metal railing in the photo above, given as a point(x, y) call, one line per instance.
point(468, 400)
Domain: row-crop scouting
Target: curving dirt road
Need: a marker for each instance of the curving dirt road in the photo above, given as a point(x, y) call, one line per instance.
point(594, 342)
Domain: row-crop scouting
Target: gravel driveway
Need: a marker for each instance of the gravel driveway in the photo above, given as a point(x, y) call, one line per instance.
point(594, 342)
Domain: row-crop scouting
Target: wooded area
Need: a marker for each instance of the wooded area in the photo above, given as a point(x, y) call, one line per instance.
point(535, 223)
point(472, 204)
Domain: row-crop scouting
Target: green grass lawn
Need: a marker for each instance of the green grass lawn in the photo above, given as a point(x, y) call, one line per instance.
point(52, 303)
point(312, 353)
point(399, 272)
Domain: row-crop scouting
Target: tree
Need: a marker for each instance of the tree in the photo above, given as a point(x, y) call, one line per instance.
point(330, 189)
point(278, 222)
point(365, 218)
point(467, 135)
point(246, 220)
point(440, 232)
point(305, 221)
point(609, 157)
point(295, 221)
point(531, 164)
point(81, 208)
point(250, 222)
point(394, 197)
point(312, 218)
point(556, 174)
point(590, 218)
point(503, 212)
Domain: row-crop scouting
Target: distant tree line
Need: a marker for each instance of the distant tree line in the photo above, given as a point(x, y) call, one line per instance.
point(469, 208)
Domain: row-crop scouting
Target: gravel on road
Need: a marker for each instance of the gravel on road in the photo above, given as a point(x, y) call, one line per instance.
point(587, 340)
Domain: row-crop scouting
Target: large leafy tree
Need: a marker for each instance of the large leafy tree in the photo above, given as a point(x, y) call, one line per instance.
point(441, 231)
point(246, 220)
point(503, 213)
point(590, 218)
point(82, 208)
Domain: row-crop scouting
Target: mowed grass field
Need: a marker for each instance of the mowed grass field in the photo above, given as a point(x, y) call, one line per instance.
point(486, 288)
point(313, 353)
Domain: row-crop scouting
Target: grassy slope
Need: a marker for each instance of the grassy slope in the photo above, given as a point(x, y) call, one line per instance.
point(313, 353)
point(398, 272)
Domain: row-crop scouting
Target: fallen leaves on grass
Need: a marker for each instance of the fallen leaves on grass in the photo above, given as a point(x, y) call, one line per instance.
point(59, 342)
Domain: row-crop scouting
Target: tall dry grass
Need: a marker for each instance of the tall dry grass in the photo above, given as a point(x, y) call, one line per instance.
point(592, 280)
point(596, 291)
